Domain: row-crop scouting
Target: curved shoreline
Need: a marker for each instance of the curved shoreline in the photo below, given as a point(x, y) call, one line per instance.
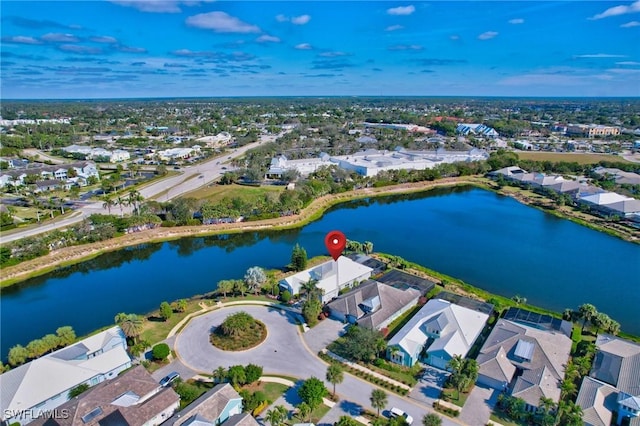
point(75, 254)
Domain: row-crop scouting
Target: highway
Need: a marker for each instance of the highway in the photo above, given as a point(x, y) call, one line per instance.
point(188, 179)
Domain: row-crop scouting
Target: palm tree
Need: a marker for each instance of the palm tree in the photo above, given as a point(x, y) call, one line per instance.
point(277, 415)
point(219, 374)
point(568, 388)
point(108, 203)
point(225, 286)
point(335, 376)
point(310, 289)
point(134, 200)
point(378, 399)
point(304, 411)
point(586, 311)
point(456, 364)
point(121, 202)
point(368, 247)
point(131, 325)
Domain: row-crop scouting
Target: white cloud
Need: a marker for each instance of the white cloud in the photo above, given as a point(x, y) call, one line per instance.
point(598, 56)
point(516, 21)
point(104, 39)
point(157, 6)
point(394, 28)
point(84, 50)
point(487, 35)
point(619, 10)
point(265, 38)
point(303, 46)
point(221, 22)
point(282, 18)
point(300, 20)
point(130, 49)
point(21, 40)
point(630, 24)
point(414, 47)
point(59, 38)
point(454, 37)
point(333, 54)
point(401, 10)
point(632, 63)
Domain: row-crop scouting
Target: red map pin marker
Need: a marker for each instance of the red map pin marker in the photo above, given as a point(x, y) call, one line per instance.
point(335, 242)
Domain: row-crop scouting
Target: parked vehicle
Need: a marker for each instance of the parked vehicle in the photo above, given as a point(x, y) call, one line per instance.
point(169, 378)
point(396, 412)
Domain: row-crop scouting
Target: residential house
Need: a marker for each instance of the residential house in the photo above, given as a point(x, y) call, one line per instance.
point(48, 185)
point(44, 383)
point(616, 365)
point(217, 406)
point(373, 305)
point(84, 169)
point(507, 172)
point(134, 398)
point(330, 277)
point(598, 402)
point(624, 208)
point(476, 129)
point(119, 155)
point(525, 356)
point(597, 201)
point(439, 331)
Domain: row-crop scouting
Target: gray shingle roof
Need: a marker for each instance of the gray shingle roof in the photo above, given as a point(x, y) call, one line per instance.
point(598, 401)
point(391, 301)
point(617, 362)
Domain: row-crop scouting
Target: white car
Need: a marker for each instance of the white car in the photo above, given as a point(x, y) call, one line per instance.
point(396, 412)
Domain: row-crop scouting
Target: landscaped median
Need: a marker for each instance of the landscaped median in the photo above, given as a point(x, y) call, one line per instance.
point(365, 373)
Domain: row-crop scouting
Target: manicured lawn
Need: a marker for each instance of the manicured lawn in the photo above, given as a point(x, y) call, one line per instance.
point(399, 322)
point(453, 397)
point(272, 391)
point(156, 330)
point(316, 415)
point(246, 193)
point(570, 157)
point(500, 417)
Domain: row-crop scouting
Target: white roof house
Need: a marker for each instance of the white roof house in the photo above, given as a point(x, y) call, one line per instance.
point(44, 383)
point(604, 198)
point(442, 328)
point(331, 277)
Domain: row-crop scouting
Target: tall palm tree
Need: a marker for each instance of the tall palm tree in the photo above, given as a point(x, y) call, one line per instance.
point(108, 203)
point(311, 290)
point(219, 374)
point(335, 376)
point(304, 411)
point(121, 202)
point(378, 399)
point(277, 415)
point(586, 311)
point(130, 324)
point(134, 200)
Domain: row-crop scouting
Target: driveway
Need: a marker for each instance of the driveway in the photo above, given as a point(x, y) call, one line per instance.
point(325, 332)
point(429, 386)
point(477, 409)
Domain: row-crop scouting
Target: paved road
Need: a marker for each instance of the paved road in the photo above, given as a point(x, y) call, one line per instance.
point(167, 189)
point(283, 352)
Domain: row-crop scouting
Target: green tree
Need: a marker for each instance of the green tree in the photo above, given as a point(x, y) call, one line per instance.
point(277, 415)
point(368, 247)
point(298, 258)
point(252, 373)
point(36, 347)
point(160, 351)
point(236, 323)
point(131, 325)
point(239, 286)
point(18, 355)
point(219, 374)
point(165, 311)
point(586, 311)
point(335, 375)
point(347, 421)
point(180, 305)
point(66, 335)
point(311, 308)
point(378, 400)
point(312, 391)
point(286, 296)
point(431, 419)
point(51, 342)
point(363, 344)
point(225, 286)
point(78, 390)
point(236, 375)
point(304, 411)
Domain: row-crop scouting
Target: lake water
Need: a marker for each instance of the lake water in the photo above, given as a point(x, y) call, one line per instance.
point(487, 240)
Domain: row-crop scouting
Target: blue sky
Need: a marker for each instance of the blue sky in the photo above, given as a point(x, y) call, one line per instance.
point(149, 48)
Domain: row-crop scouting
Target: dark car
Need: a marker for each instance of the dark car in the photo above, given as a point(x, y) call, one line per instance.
point(169, 378)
